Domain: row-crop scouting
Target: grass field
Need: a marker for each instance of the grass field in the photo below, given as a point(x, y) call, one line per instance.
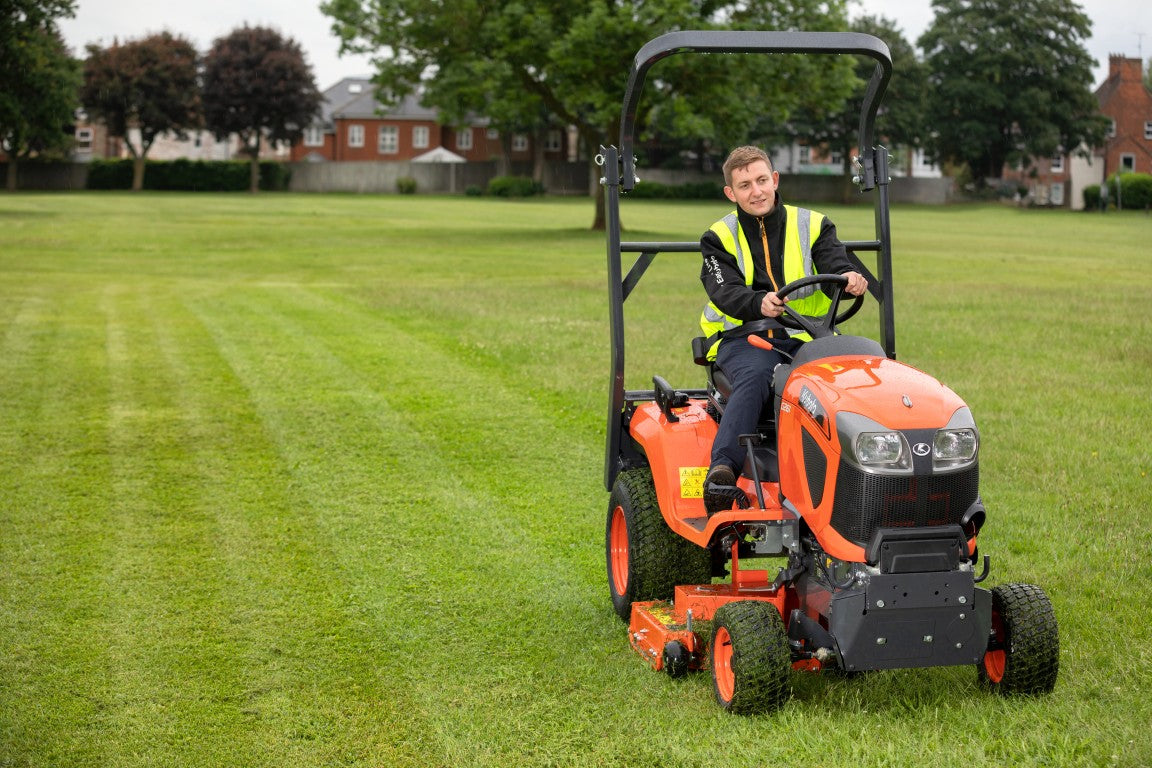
point(317, 481)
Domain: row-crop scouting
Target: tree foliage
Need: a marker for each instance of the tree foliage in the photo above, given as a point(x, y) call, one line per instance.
point(149, 85)
point(900, 120)
point(1009, 79)
point(38, 98)
point(38, 80)
point(568, 60)
point(258, 85)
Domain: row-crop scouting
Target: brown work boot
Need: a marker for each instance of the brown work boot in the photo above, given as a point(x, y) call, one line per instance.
point(721, 474)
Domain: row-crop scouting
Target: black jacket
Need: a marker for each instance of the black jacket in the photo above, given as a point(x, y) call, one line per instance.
point(724, 281)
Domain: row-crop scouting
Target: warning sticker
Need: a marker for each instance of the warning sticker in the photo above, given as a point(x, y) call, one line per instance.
point(692, 482)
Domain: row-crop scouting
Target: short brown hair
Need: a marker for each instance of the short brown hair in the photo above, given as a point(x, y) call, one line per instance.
point(742, 157)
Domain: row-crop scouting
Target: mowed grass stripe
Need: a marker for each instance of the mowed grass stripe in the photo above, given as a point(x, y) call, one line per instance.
point(303, 656)
point(468, 543)
point(53, 396)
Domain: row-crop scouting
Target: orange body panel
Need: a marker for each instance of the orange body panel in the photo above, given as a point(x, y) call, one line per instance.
point(679, 454)
point(896, 395)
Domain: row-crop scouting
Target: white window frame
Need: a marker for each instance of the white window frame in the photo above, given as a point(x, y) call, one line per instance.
point(84, 137)
point(555, 141)
point(805, 155)
point(1127, 163)
point(492, 134)
point(1111, 132)
point(1056, 164)
point(388, 140)
point(519, 143)
point(420, 136)
point(314, 136)
point(1056, 194)
point(356, 135)
point(1148, 129)
point(464, 139)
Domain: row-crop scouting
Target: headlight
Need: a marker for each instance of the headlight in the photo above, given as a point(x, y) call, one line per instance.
point(957, 444)
point(872, 446)
point(953, 448)
point(881, 448)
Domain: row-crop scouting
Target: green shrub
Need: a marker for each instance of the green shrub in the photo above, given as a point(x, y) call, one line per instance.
point(406, 185)
point(702, 190)
point(474, 190)
point(514, 186)
point(1092, 197)
point(188, 175)
point(1135, 190)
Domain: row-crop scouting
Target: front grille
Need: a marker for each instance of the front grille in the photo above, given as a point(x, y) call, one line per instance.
point(865, 502)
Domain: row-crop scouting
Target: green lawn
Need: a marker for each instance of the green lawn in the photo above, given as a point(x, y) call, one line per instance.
point(317, 480)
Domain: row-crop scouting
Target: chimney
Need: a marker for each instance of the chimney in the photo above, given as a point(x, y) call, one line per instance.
point(1124, 69)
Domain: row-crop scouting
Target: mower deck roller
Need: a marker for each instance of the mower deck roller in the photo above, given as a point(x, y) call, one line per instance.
point(851, 540)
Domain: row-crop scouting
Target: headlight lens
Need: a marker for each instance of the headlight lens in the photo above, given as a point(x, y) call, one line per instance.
point(954, 448)
point(882, 449)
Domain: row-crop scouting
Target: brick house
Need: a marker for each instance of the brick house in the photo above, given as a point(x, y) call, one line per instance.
point(354, 126)
point(1127, 101)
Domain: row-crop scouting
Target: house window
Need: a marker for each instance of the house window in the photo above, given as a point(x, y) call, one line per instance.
point(555, 141)
point(420, 136)
point(464, 138)
point(493, 134)
point(84, 139)
point(1056, 194)
point(519, 143)
point(1148, 129)
point(355, 135)
point(1111, 132)
point(389, 140)
point(1057, 165)
point(805, 155)
point(313, 136)
point(1127, 163)
point(836, 158)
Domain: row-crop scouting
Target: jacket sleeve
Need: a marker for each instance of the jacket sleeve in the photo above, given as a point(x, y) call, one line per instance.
point(724, 282)
point(828, 253)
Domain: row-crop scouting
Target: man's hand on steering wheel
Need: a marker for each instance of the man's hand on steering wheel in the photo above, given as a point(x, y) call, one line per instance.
point(773, 305)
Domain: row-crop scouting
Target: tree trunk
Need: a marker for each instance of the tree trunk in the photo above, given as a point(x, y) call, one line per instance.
point(138, 172)
point(12, 167)
point(254, 172)
point(600, 220)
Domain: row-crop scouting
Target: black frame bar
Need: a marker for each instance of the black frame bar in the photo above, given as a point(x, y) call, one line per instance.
point(620, 176)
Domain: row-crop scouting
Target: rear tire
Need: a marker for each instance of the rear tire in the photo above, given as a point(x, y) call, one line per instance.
point(750, 658)
point(1025, 657)
point(646, 560)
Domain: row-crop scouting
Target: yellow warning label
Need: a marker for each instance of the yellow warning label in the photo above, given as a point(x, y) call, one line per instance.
point(692, 482)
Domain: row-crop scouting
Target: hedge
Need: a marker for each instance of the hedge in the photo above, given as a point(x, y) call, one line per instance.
point(1135, 192)
point(514, 186)
point(188, 175)
point(704, 190)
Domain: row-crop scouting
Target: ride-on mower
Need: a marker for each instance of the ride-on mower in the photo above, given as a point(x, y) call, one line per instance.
point(861, 480)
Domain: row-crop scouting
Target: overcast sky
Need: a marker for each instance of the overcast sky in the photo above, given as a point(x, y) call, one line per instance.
point(1117, 26)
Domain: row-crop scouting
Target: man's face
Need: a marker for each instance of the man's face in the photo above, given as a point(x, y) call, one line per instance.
point(754, 188)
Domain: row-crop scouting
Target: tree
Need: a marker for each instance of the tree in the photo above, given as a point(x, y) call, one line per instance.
point(569, 60)
point(38, 99)
point(258, 86)
point(1009, 79)
point(149, 85)
point(900, 121)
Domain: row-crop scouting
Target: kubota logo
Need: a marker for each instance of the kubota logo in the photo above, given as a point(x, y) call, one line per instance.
point(921, 449)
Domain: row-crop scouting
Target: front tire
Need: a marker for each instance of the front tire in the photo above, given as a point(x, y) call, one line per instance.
point(750, 658)
point(1023, 657)
point(646, 560)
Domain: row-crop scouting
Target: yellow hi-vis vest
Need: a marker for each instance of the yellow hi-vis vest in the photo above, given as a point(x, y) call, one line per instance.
point(801, 231)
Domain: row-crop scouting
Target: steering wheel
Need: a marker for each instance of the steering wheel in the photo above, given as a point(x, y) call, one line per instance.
point(826, 326)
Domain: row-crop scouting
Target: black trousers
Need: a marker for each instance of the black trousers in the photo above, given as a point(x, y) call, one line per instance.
point(750, 370)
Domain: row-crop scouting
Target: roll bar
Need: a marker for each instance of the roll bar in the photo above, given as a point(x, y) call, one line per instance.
point(724, 41)
point(619, 165)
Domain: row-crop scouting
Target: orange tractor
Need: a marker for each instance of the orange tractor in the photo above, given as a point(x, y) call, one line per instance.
point(860, 488)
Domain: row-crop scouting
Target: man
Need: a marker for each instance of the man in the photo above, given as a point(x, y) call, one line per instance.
point(748, 256)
